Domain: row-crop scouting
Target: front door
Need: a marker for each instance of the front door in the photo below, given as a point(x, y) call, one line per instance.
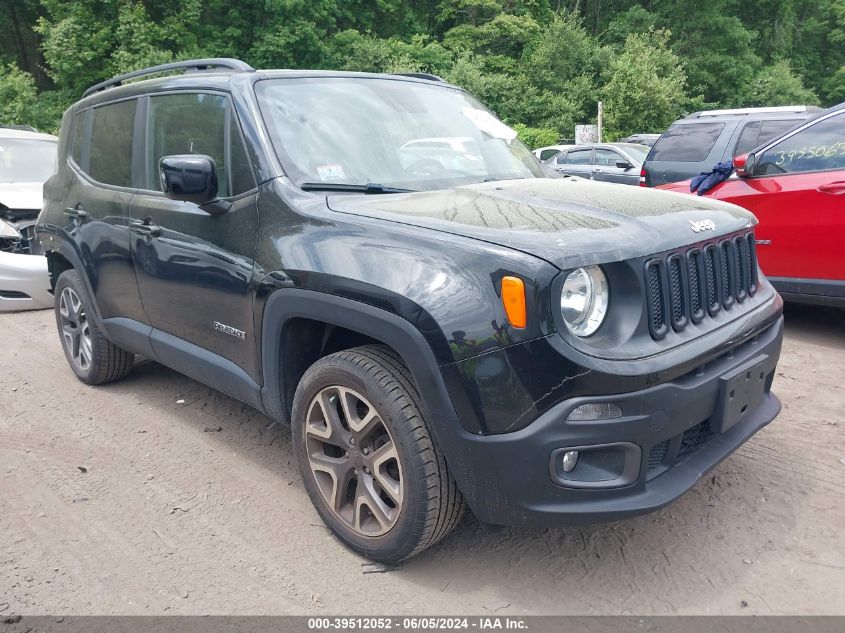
point(797, 191)
point(605, 168)
point(195, 269)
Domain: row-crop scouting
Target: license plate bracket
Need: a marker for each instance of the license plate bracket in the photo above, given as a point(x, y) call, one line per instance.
point(740, 391)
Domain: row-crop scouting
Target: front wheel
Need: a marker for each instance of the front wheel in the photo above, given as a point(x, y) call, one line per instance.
point(368, 461)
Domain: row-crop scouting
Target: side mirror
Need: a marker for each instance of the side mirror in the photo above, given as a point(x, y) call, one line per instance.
point(623, 164)
point(192, 178)
point(744, 165)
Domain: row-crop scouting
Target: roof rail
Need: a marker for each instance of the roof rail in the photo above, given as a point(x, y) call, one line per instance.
point(192, 64)
point(428, 76)
point(746, 111)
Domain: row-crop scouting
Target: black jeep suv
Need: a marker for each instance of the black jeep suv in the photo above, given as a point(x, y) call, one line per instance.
point(377, 261)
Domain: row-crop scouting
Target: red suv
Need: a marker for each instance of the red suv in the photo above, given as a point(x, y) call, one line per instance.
point(795, 185)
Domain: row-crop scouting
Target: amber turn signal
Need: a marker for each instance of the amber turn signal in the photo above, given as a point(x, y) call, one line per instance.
point(513, 298)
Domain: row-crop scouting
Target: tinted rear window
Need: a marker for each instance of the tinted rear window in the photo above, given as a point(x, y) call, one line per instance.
point(687, 143)
point(111, 143)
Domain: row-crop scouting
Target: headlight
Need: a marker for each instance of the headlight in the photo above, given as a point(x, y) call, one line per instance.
point(8, 231)
point(584, 299)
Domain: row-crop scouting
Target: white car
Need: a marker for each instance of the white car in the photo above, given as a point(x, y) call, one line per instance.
point(27, 160)
point(545, 153)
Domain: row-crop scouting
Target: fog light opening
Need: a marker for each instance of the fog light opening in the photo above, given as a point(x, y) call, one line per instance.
point(570, 459)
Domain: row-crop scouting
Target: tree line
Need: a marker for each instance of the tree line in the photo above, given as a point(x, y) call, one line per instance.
point(542, 65)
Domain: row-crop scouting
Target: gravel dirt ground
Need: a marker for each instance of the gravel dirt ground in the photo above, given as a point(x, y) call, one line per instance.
point(121, 499)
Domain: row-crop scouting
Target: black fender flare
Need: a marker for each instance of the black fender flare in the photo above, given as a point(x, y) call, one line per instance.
point(67, 250)
point(289, 303)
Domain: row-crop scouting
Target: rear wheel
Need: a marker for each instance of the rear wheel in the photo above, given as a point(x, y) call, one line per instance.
point(369, 463)
point(92, 357)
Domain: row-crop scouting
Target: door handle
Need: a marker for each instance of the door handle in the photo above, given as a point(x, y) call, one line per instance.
point(142, 228)
point(597, 171)
point(833, 188)
point(79, 214)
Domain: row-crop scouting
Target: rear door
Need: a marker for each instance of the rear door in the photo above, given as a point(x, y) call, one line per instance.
point(98, 200)
point(575, 162)
point(797, 191)
point(195, 269)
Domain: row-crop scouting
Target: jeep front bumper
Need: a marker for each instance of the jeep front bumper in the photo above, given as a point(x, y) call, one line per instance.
point(668, 437)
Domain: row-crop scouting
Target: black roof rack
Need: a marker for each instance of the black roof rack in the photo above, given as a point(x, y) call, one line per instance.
point(192, 64)
point(428, 76)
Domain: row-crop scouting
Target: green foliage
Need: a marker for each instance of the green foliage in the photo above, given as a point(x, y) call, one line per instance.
point(718, 51)
point(645, 87)
point(535, 137)
point(778, 85)
point(17, 95)
point(634, 20)
point(351, 50)
point(537, 63)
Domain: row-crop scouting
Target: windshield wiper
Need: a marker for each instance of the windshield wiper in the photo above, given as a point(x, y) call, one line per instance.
point(370, 187)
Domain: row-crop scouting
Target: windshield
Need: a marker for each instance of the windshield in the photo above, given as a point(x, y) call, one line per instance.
point(26, 160)
point(399, 134)
point(637, 152)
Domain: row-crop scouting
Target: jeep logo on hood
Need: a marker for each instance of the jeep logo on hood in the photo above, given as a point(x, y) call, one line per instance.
point(702, 225)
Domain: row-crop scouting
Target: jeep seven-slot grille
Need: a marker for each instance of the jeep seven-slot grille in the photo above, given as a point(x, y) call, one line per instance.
point(685, 286)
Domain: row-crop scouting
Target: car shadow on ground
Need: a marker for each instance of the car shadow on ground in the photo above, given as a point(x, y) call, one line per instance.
point(815, 324)
point(651, 554)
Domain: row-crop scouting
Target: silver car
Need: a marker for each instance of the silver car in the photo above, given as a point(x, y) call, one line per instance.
point(27, 160)
point(606, 162)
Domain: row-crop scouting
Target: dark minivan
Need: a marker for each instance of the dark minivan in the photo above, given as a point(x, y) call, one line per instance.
point(697, 142)
point(541, 350)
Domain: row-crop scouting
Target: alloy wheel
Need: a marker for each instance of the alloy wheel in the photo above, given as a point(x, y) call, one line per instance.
point(76, 330)
point(354, 460)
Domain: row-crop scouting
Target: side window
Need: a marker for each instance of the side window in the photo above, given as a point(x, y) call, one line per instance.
point(190, 123)
point(820, 147)
point(756, 133)
point(772, 129)
point(579, 157)
point(110, 160)
point(547, 154)
point(687, 142)
point(607, 158)
point(748, 138)
point(77, 135)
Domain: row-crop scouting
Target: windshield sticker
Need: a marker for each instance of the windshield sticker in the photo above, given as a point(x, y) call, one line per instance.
point(330, 172)
point(489, 124)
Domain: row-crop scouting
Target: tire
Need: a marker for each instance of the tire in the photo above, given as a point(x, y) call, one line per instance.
point(395, 500)
point(92, 357)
